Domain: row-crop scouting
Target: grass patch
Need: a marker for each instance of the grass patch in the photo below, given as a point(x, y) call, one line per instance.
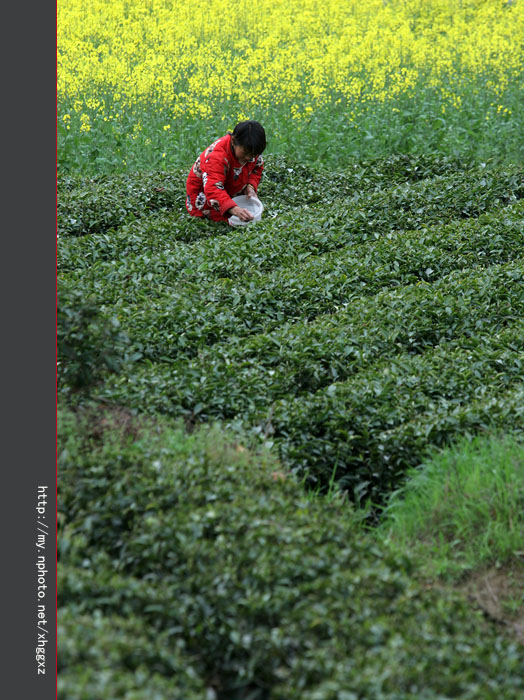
point(463, 510)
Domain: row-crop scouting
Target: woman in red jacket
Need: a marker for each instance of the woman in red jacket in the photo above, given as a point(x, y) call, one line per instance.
point(232, 165)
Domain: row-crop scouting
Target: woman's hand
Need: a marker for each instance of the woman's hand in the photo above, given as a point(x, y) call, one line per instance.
point(243, 214)
point(250, 191)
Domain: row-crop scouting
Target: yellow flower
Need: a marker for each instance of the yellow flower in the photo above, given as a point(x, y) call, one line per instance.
point(85, 122)
point(160, 53)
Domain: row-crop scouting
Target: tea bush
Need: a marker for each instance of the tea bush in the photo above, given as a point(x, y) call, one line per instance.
point(307, 355)
point(89, 343)
point(188, 313)
point(191, 568)
point(110, 656)
point(373, 312)
point(98, 204)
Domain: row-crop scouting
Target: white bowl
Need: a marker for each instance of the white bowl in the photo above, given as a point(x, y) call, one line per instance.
point(252, 204)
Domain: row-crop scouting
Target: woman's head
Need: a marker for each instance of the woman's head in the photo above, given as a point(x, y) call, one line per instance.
point(248, 139)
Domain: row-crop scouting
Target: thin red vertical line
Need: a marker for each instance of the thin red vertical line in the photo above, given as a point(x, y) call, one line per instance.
point(56, 349)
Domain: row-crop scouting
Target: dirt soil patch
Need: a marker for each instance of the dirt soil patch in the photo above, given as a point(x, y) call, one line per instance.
point(103, 418)
point(499, 593)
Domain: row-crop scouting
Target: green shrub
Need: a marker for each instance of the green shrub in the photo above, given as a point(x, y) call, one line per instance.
point(215, 557)
point(242, 375)
point(88, 342)
point(106, 657)
point(98, 204)
point(377, 425)
point(169, 314)
point(362, 321)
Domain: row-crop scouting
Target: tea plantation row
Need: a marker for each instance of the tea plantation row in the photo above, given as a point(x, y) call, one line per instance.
point(371, 315)
point(168, 311)
point(191, 569)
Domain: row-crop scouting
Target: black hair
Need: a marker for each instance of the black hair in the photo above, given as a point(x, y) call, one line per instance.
point(251, 136)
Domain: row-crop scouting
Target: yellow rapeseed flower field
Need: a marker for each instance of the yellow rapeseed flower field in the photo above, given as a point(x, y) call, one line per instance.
point(192, 55)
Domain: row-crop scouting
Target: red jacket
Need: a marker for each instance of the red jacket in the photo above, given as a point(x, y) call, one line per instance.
point(217, 176)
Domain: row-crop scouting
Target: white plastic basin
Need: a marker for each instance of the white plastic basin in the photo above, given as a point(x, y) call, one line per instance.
point(252, 204)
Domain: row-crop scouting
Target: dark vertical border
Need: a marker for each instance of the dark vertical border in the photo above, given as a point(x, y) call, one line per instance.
point(29, 348)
